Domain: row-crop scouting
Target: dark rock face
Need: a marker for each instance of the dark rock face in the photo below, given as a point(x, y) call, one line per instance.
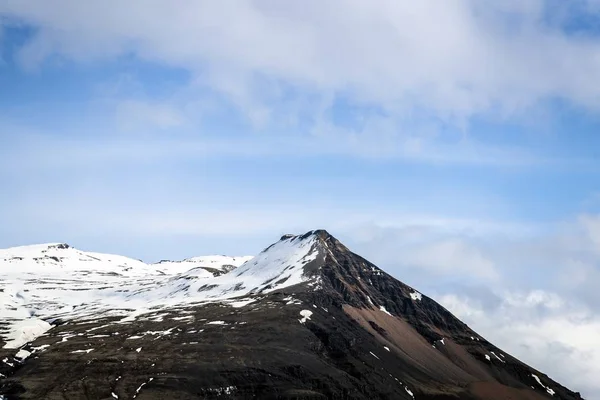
point(350, 332)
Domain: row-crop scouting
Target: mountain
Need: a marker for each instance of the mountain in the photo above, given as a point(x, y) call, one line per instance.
point(304, 319)
point(53, 282)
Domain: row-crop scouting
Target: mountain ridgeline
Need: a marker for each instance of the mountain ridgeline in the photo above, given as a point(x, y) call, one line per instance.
point(304, 319)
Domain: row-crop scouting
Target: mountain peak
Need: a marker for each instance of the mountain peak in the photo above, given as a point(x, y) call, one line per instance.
point(351, 328)
point(60, 246)
point(320, 234)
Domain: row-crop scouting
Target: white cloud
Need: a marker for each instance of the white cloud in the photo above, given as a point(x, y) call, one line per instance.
point(451, 256)
point(454, 59)
point(532, 292)
point(591, 224)
point(556, 335)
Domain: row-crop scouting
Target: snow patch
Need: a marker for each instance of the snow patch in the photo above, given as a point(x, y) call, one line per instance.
point(182, 318)
point(382, 308)
point(22, 354)
point(42, 347)
point(137, 391)
point(416, 295)
point(306, 314)
point(23, 331)
point(290, 300)
point(501, 360)
point(226, 390)
point(240, 303)
point(159, 333)
point(548, 390)
point(83, 351)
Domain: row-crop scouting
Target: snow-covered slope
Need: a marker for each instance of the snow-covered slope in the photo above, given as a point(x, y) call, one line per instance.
point(220, 264)
point(56, 258)
point(278, 266)
point(45, 283)
point(40, 284)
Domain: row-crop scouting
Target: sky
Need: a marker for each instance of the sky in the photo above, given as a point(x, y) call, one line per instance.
point(455, 144)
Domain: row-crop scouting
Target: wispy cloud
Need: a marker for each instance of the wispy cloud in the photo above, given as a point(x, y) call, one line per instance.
point(161, 133)
point(478, 60)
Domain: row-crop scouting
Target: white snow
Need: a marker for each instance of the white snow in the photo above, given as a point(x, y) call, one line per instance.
point(374, 355)
point(114, 396)
point(40, 348)
point(443, 341)
point(20, 331)
point(196, 265)
point(548, 390)
point(53, 281)
point(409, 392)
point(382, 308)
point(182, 318)
point(494, 354)
point(22, 354)
point(278, 266)
point(223, 390)
point(97, 327)
point(416, 295)
point(138, 349)
point(137, 391)
point(290, 300)
point(240, 303)
point(216, 323)
point(387, 348)
point(159, 333)
point(488, 358)
point(306, 314)
point(83, 351)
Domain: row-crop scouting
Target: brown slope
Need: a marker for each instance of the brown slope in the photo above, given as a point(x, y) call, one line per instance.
point(417, 326)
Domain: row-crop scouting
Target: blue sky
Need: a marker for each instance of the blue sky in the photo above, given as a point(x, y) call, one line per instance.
point(455, 144)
